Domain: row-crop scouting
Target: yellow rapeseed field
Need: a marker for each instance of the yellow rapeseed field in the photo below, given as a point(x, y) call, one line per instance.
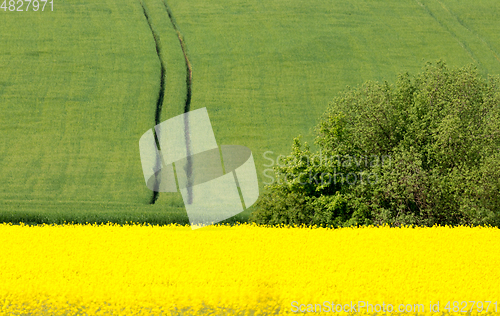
point(247, 270)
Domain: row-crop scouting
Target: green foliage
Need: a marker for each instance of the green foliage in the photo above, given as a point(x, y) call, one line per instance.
point(310, 191)
point(426, 152)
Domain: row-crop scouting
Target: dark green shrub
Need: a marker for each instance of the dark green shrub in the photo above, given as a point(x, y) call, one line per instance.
point(424, 151)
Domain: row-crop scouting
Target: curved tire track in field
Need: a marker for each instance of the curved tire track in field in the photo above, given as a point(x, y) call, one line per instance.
point(462, 43)
point(189, 69)
point(461, 22)
point(159, 100)
point(187, 104)
point(161, 95)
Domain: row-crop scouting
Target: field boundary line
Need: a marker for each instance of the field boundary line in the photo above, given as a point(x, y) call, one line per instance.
point(68, 202)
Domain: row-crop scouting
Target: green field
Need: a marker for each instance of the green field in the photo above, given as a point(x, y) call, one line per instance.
point(79, 85)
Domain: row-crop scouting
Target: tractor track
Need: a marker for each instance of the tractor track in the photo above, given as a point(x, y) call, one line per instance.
point(159, 100)
point(189, 69)
point(462, 43)
point(161, 96)
point(187, 105)
point(463, 24)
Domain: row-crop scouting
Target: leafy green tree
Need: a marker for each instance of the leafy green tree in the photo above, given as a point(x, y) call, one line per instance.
point(423, 151)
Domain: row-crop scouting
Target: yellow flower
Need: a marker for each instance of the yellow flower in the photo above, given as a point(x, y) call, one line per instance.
point(138, 269)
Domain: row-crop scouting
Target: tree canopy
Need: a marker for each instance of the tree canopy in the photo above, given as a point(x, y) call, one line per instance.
point(422, 151)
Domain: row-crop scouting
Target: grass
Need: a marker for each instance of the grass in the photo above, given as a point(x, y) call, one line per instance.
point(100, 212)
point(267, 70)
point(78, 86)
point(77, 90)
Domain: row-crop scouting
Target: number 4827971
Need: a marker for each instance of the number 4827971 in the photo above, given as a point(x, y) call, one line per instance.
point(26, 5)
